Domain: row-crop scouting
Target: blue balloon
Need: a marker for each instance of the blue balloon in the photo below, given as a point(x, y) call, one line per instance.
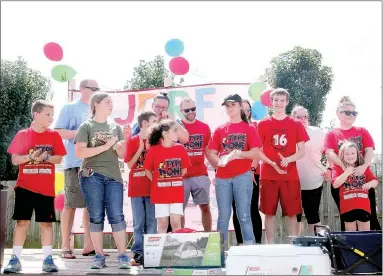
point(174, 47)
point(258, 111)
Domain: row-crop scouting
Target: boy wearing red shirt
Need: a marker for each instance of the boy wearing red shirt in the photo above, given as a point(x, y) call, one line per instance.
point(139, 185)
point(196, 180)
point(283, 141)
point(35, 150)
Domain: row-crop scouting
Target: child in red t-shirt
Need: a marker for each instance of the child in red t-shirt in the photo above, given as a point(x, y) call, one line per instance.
point(165, 165)
point(355, 208)
point(139, 185)
point(36, 150)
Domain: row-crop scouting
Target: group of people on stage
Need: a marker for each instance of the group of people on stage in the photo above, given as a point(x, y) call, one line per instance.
point(275, 160)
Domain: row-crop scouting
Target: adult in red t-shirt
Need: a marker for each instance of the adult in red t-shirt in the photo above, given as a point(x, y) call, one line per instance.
point(196, 180)
point(346, 112)
point(144, 220)
point(232, 148)
point(36, 150)
point(283, 141)
point(353, 189)
point(255, 215)
point(165, 165)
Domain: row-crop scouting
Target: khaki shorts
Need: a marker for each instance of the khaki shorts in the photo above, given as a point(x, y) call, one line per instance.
point(73, 195)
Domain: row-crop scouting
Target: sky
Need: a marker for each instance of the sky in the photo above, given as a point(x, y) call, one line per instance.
point(224, 42)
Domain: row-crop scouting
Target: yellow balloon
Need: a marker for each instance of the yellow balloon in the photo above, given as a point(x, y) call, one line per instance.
point(59, 182)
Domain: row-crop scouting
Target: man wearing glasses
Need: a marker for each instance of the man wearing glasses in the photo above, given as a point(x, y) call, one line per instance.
point(160, 106)
point(196, 180)
point(71, 117)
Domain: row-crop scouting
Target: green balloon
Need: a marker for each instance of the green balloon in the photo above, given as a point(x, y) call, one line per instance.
point(256, 89)
point(63, 73)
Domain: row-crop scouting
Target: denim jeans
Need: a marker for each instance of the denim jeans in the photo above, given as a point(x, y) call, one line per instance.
point(144, 221)
point(102, 194)
point(241, 188)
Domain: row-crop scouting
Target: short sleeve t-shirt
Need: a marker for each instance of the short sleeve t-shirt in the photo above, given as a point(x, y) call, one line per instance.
point(351, 194)
point(310, 168)
point(280, 136)
point(234, 136)
point(337, 137)
point(71, 116)
point(199, 137)
point(96, 134)
point(166, 164)
point(139, 183)
point(37, 177)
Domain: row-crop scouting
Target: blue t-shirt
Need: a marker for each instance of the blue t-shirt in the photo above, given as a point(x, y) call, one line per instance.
point(72, 115)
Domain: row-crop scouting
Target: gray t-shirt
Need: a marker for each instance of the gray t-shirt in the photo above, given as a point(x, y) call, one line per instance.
point(97, 134)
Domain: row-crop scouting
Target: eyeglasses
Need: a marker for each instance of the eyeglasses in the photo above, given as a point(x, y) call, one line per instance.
point(94, 89)
point(349, 113)
point(302, 117)
point(160, 107)
point(187, 110)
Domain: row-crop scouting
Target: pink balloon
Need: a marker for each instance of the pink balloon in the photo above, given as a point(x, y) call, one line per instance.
point(179, 66)
point(53, 51)
point(265, 97)
point(59, 202)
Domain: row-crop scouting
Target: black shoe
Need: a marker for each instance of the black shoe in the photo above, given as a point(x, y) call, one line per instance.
point(138, 258)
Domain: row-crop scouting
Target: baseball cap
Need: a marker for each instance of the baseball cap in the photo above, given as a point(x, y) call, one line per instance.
point(232, 98)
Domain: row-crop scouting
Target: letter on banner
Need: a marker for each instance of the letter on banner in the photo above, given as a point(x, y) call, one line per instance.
point(132, 107)
point(142, 98)
point(173, 108)
point(200, 103)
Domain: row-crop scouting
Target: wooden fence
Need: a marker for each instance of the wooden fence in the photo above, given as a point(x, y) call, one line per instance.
point(328, 211)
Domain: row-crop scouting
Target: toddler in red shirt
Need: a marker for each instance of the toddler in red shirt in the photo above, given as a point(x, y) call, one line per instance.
point(355, 208)
point(165, 165)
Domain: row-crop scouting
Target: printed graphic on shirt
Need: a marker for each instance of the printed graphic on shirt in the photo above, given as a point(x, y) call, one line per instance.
point(141, 160)
point(168, 170)
point(101, 137)
point(353, 187)
point(42, 148)
point(235, 141)
point(195, 145)
point(357, 140)
point(279, 139)
point(35, 167)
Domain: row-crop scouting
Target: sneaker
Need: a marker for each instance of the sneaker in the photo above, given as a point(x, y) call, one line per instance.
point(123, 262)
point(138, 258)
point(14, 265)
point(49, 265)
point(98, 262)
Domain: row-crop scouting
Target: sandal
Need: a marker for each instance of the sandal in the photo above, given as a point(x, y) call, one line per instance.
point(93, 253)
point(67, 254)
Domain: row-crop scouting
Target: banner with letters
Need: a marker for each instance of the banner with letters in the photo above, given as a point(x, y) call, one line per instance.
point(208, 98)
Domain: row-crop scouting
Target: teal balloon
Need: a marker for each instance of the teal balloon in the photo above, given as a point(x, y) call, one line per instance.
point(256, 89)
point(258, 111)
point(174, 47)
point(63, 73)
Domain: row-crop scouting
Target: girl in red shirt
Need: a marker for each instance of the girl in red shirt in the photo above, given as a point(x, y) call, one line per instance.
point(255, 215)
point(346, 131)
point(232, 148)
point(165, 165)
point(355, 208)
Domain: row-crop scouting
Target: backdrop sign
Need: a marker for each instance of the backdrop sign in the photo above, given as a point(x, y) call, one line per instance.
point(208, 98)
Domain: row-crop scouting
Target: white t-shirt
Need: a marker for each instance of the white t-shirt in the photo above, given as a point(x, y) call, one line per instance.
point(310, 168)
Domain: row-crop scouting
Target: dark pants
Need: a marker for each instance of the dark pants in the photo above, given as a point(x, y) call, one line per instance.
point(255, 215)
point(374, 222)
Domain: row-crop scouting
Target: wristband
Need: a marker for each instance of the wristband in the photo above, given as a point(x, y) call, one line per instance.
point(46, 158)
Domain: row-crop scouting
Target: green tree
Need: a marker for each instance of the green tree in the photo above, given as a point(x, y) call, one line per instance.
point(301, 72)
point(20, 87)
point(150, 74)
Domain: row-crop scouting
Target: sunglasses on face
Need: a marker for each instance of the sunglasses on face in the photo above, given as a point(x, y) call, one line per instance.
point(94, 89)
point(187, 110)
point(349, 113)
point(302, 117)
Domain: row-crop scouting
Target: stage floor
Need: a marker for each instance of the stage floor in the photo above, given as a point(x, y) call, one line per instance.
point(31, 261)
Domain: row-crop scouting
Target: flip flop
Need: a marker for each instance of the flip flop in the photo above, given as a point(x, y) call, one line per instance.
point(64, 254)
point(92, 253)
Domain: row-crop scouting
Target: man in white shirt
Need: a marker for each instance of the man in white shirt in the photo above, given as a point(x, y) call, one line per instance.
point(311, 171)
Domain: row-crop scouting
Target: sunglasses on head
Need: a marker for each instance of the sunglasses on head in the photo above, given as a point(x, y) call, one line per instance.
point(92, 88)
point(187, 110)
point(349, 113)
